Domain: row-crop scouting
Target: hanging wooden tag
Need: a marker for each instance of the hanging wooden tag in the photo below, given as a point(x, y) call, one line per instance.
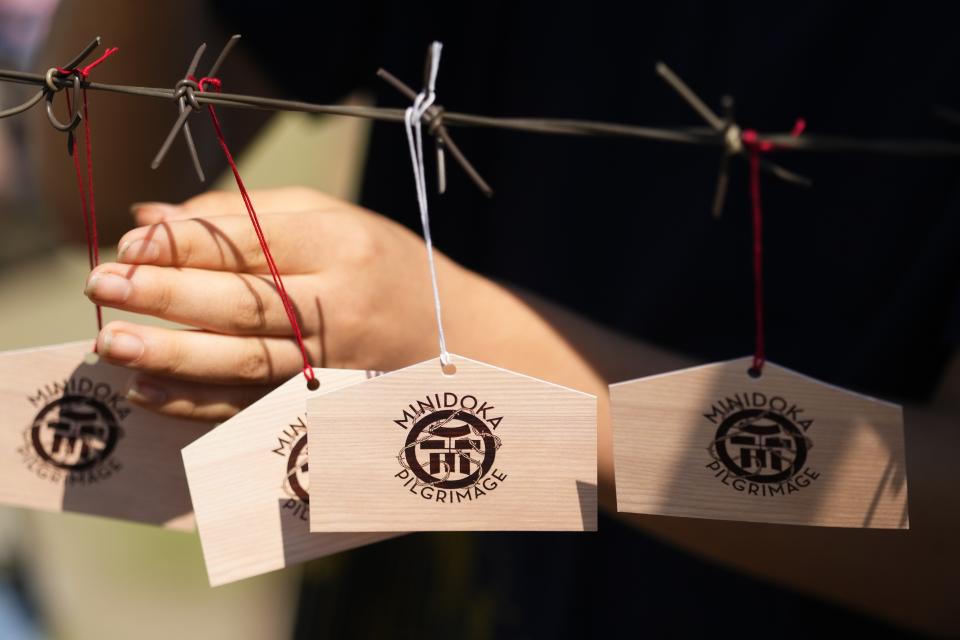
point(715, 442)
point(249, 479)
point(479, 449)
point(70, 441)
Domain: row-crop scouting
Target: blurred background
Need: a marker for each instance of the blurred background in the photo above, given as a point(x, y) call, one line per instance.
point(50, 562)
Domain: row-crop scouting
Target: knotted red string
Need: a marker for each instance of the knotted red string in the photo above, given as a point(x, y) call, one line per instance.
point(271, 264)
point(87, 200)
point(755, 146)
point(90, 67)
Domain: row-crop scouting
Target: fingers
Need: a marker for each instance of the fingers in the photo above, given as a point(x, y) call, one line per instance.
point(219, 203)
point(210, 358)
point(212, 403)
point(225, 243)
point(230, 303)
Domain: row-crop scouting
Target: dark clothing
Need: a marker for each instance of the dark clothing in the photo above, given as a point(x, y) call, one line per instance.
point(862, 270)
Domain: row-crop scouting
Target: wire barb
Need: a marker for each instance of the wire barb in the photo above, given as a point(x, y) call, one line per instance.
point(53, 80)
point(731, 136)
point(688, 94)
point(50, 86)
point(699, 136)
point(188, 102)
point(434, 117)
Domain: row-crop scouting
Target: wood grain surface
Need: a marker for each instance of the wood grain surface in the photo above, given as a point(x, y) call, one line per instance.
point(539, 440)
point(714, 442)
point(248, 478)
point(71, 442)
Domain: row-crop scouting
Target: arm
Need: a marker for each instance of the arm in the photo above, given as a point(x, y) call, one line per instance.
point(361, 286)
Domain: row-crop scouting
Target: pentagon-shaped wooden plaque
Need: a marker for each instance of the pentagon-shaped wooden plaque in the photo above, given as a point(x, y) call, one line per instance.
point(70, 441)
point(481, 449)
point(249, 480)
point(714, 442)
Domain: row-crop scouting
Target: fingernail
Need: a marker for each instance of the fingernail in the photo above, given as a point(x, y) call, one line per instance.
point(107, 287)
point(139, 251)
point(143, 392)
point(157, 210)
point(121, 346)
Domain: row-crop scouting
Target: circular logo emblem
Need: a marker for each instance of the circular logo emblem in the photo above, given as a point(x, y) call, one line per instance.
point(297, 481)
point(74, 433)
point(449, 449)
point(760, 445)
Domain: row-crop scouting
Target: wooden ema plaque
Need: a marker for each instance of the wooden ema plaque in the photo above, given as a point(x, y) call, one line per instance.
point(71, 442)
point(482, 449)
point(714, 442)
point(249, 483)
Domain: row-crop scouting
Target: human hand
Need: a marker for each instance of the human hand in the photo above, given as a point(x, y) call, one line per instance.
point(358, 281)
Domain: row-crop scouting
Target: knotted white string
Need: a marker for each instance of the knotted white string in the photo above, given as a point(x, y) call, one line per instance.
point(413, 119)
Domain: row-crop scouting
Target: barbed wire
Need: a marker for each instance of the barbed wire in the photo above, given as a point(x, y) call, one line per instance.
point(722, 132)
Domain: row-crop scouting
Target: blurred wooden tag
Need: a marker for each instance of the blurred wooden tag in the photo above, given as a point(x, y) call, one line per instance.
point(70, 441)
point(481, 449)
point(714, 442)
point(249, 483)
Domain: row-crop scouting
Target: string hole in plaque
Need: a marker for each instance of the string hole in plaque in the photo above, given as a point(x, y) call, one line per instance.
point(313, 384)
point(448, 369)
point(754, 372)
point(91, 358)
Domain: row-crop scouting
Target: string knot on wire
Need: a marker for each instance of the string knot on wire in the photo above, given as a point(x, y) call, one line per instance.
point(431, 114)
point(83, 72)
point(185, 95)
point(214, 82)
point(752, 142)
point(184, 89)
point(425, 99)
point(734, 139)
point(55, 80)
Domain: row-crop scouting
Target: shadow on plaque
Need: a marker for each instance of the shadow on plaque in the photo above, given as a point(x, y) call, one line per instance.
point(116, 460)
point(701, 457)
point(587, 495)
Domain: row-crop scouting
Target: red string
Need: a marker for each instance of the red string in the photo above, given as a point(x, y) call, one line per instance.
point(87, 198)
point(271, 264)
point(756, 146)
point(90, 67)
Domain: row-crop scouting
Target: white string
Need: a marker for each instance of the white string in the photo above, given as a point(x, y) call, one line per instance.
point(413, 121)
